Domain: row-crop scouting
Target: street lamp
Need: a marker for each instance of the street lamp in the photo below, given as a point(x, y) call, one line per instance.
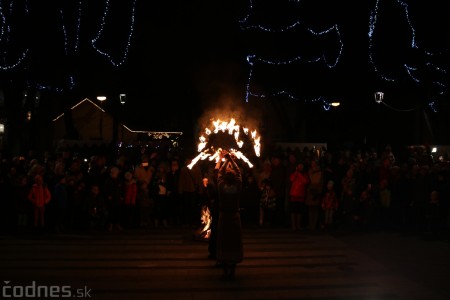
point(101, 99)
point(379, 96)
point(122, 98)
point(2, 132)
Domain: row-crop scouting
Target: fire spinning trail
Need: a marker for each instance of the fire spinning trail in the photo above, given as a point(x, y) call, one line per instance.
point(233, 129)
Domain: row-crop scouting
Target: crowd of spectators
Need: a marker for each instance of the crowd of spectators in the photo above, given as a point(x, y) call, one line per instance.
point(113, 190)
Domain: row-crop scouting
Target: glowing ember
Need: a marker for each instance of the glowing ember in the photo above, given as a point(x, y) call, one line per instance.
point(233, 130)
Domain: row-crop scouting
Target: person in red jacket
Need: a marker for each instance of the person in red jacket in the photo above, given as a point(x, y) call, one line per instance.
point(299, 181)
point(39, 196)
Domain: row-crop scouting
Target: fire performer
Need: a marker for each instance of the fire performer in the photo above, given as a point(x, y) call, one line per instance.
point(229, 228)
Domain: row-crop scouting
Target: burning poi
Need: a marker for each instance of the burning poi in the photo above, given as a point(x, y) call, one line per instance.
point(234, 130)
point(204, 232)
point(228, 135)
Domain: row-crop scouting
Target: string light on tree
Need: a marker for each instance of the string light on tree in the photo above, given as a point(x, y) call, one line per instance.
point(94, 41)
point(425, 62)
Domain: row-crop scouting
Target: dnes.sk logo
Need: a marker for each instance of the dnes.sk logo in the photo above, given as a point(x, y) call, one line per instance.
point(33, 290)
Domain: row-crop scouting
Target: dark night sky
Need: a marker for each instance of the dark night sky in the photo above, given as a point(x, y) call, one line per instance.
point(187, 56)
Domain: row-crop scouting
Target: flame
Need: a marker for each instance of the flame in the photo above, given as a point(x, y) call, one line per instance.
point(257, 146)
point(233, 129)
point(240, 155)
point(202, 143)
point(206, 219)
point(197, 158)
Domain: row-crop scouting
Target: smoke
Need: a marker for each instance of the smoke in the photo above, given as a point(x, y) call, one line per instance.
point(226, 106)
point(222, 97)
point(221, 91)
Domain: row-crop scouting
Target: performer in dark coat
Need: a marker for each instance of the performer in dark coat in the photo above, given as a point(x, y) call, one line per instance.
point(229, 229)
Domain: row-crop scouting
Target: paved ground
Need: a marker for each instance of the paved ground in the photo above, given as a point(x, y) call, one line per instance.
point(424, 261)
point(279, 264)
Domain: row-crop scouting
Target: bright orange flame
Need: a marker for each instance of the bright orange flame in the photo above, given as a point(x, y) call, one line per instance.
point(233, 129)
point(206, 219)
point(240, 155)
point(196, 159)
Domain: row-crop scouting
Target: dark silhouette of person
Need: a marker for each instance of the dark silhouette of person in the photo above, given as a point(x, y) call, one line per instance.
point(229, 228)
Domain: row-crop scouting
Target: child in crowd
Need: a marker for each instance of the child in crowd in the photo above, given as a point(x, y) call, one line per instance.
point(129, 200)
point(40, 196)
point(267, 203)
point(145, 202)
point(97, 208)
point(329, 204)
